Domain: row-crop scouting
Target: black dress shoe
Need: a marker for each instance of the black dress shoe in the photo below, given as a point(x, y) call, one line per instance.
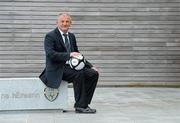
point(92, 109)
point(85, 110)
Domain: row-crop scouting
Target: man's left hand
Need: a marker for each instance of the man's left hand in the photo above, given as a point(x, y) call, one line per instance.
point(94, 68)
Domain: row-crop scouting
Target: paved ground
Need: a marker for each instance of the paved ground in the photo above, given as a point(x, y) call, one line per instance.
point(114, 105)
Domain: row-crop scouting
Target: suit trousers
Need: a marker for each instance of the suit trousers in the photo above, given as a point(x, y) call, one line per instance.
point(84, 84)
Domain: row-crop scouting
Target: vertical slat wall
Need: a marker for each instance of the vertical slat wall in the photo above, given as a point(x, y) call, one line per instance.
point(128, 40)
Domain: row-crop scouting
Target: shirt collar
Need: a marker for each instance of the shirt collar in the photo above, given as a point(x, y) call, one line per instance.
point(62, 32)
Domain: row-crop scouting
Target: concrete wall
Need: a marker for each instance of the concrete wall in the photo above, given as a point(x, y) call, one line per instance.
point(128, 40)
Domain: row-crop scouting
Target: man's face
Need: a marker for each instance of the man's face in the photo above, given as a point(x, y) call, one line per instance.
point(64, 23)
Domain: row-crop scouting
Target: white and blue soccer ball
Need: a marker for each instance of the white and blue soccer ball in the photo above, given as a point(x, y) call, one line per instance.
point(77, 62)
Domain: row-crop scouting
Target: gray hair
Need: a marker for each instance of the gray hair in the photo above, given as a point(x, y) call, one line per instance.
point(65, 14)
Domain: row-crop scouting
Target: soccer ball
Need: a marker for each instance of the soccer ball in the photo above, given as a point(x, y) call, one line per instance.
point(77, 62)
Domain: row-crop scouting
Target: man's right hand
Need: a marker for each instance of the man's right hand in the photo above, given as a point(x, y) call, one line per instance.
point(73, 54)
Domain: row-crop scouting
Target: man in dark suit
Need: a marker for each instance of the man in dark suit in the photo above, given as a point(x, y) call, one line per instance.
point(57, 68)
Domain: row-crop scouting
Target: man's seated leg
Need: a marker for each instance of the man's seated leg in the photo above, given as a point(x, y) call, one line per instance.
point(78, 80)
point(91, 79)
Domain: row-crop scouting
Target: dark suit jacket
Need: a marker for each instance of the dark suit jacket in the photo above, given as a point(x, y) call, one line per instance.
point(56, 57)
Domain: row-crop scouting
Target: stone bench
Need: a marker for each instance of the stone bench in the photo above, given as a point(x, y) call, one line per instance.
point(28, 93)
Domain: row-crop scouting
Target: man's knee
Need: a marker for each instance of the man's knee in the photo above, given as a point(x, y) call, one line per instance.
point(94, 74)
point(91, 74)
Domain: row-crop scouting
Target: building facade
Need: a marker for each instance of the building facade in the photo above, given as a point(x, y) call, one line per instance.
point(130, 41)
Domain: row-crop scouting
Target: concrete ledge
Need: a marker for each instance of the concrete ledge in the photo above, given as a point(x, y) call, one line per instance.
point(28, 93)
point(139, 84)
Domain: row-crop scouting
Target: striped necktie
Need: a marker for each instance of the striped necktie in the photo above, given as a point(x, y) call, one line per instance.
point(67, 44)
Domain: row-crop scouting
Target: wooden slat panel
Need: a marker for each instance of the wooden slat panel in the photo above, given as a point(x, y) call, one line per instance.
point(128, 40)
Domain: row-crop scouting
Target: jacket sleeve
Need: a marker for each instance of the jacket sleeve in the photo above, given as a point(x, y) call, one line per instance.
point(51, 53)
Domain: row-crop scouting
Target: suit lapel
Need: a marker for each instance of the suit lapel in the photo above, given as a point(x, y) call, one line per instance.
point(59, 38)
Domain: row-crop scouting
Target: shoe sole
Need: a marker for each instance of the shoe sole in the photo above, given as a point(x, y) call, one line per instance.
point(85, 112)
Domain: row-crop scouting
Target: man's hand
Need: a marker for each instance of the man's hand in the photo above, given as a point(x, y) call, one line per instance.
point(94, 68)
point(73, 54)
